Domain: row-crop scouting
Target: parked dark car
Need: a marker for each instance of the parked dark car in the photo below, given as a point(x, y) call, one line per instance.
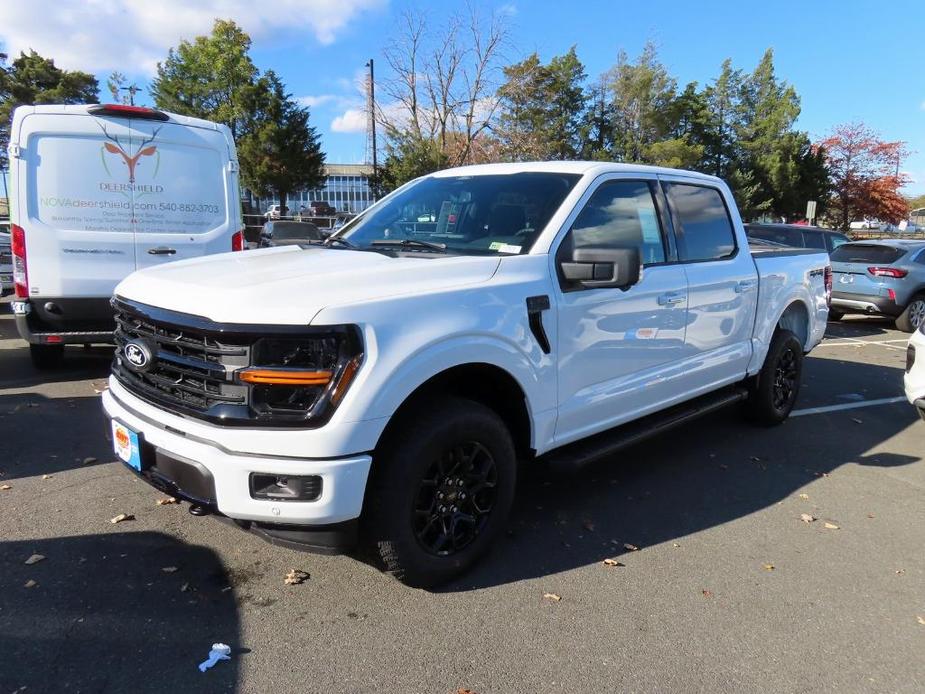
point(288, 234)
point(797, 236)
point(319, 209)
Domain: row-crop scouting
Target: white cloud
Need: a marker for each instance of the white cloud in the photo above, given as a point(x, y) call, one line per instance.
point(353, 120)
point(312, 101)
point(131, 36)
point(508, 10)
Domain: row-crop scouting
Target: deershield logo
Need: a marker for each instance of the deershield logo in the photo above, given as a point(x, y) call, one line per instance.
point(130, 161)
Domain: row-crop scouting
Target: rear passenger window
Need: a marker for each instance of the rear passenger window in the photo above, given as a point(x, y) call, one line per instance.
point(813, 239)
point(706, 230)
point(620, 214)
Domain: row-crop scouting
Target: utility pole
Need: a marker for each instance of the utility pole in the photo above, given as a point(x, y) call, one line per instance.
point(371, 122)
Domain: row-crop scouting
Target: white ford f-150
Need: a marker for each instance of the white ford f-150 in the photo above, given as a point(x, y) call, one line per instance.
point(387, 384)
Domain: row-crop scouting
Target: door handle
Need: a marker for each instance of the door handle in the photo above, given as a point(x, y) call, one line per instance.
point(746, 286)
point(162, 250)
point(671, 299)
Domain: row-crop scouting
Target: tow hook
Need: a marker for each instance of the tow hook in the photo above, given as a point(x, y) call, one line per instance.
point(198, 510)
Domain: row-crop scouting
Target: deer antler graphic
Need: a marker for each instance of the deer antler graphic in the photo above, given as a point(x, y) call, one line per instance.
point(130, 160)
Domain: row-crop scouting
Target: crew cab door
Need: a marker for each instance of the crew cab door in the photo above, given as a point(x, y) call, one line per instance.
point(722, 285)
point(618, 348)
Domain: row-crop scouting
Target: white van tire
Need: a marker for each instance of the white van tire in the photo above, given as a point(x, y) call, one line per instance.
point(46, 357)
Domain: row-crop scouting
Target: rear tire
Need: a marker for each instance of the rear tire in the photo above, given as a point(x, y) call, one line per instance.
point(46, 357)
point(773, 392)
point(835, 315)
point(441, 490)
point(913, 316)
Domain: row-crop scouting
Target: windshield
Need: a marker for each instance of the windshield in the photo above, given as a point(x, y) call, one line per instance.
point(866, 253)
point(295, 230)
point(470, 215)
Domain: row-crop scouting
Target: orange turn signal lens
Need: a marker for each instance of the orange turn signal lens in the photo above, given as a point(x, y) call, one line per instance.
point(346, 378)
point(286, 377)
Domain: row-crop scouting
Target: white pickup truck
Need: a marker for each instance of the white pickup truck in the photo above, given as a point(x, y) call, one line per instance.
point(387, 384)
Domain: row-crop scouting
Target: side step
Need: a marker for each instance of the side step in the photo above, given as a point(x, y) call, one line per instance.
point(587, 450)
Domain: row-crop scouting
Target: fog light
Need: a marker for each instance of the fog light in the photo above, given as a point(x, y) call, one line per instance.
point(285, 487)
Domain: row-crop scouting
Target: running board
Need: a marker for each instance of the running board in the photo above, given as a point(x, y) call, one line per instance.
point(587, 450)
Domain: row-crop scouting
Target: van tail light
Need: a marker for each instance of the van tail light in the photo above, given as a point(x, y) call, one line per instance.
point(887, 272)
point(127, 111)
point(828, 285)
point(237, 241)
point(20, 271)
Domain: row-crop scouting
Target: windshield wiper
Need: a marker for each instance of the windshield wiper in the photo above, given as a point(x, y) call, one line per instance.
point(337, 239)
point(410, 243)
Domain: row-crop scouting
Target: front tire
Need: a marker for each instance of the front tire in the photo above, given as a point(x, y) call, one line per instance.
point(441, 490)
point(912, 318)
point(835, 315)
point(774, 391)
point(46, 357)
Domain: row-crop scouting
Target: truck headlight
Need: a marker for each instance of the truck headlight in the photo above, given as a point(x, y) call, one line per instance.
point(302, 378)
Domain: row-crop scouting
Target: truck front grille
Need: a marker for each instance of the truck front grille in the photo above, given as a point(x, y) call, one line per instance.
point(191, 367)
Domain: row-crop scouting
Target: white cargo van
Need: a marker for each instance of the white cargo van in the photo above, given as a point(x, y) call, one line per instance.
point(99, 191)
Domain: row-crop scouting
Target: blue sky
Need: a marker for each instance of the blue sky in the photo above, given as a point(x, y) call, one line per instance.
point(849, 60)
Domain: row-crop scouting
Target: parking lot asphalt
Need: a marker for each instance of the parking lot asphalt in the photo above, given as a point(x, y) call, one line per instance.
point(729, 590)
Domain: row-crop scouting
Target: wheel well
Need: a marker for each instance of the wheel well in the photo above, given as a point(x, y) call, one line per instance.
point(485, 383)
point(795, 318)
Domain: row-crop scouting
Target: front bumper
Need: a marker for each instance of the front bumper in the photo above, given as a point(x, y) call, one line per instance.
point(224, 476)
point(865, 303)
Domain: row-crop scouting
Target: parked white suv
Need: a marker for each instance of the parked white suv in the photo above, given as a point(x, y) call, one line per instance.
point(390, 382)
point(98, 191)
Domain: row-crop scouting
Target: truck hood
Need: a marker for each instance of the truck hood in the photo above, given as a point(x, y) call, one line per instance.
point(289, 285)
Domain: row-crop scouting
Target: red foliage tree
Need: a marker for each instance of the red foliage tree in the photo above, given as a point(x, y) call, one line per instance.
point(865, 175)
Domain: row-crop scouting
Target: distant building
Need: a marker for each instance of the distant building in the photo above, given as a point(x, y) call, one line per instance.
point(346, 189)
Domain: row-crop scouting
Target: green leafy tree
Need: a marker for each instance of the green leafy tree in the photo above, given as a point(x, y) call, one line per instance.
point(408, 156)
point(541, 108)
point(210, 77)
point(282, 149)
point(32, 79)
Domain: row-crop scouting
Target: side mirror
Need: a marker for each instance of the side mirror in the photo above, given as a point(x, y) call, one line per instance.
point(596, 268)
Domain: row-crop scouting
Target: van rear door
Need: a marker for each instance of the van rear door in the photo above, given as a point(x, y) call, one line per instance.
point(184, 199)
point(72, 203)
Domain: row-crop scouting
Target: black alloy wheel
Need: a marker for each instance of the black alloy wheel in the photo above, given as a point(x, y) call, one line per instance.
point(455, 498)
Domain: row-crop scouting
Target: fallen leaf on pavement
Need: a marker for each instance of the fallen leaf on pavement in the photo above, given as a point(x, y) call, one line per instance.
point(89, 460)
point(900, 572)
point(612, 562)
point(768, 567)
point(755, 458)
point(856, 421)
point(168, 500)
point(675, 544)
point(807, 518)
point(34, 559)
point(921, 619)
point(707, 593)
point(184, 587)
point(47, 477)
point(295, 577)
point(804, 496)
point(32, 584)
point(588, 525)
point(463, 690)
point(631, 548)
point(552, 596)
point(169, 569)
point(122, 517)
point(871, 515)
point(831, 526)
point(4, 487)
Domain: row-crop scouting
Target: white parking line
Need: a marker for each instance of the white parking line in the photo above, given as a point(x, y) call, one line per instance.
point(855, 342)
point(847, 406)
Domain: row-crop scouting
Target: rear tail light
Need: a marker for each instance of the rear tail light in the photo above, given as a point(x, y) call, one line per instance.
point(237, 241)
point(828, 285)
point(20, 271)
point(887, 272)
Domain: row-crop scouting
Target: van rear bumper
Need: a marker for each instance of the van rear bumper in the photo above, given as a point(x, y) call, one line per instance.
point(64, 321)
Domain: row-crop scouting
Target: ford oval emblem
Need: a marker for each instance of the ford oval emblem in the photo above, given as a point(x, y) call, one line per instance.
point(138, 355)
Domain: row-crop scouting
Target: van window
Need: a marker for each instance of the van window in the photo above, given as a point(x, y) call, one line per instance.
point(102, 182)
point(621, 214)
point(706, 230)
